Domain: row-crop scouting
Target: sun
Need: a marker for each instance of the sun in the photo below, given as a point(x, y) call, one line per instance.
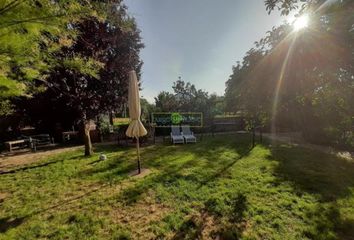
point(301, 22)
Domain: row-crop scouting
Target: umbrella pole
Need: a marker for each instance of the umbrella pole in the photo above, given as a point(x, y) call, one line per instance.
point(138, 153)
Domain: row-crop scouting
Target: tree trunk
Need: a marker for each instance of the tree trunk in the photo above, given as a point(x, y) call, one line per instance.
point(87, 138)
point(111, 117)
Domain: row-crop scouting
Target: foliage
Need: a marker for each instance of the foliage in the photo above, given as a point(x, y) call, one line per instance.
point(6, 108)
point(218, 187)
point(217, 104)
point(104, 125)
point(90, 74)
point(146, 109)
point(30, 32)
point(239, 94)
point(291, 81)
point(287, 6)
point(165, 101)
point(120, 121)
point(284, 6)
point(186, 98)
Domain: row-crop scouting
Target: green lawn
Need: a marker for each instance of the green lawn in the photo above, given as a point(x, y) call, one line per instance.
point(120, 121)
point(217, 187)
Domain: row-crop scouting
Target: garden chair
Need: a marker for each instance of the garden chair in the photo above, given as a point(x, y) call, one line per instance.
point(188, 135)
point(176, 136)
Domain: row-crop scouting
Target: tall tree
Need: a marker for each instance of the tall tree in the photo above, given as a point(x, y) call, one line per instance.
point(302, 78)
point(91, 74)
point(146, 109)
point(187, 98)
point(166, 101)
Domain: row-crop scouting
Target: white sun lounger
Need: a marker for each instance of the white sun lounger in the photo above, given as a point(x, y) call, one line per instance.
point(176, 136)
point(188, 135)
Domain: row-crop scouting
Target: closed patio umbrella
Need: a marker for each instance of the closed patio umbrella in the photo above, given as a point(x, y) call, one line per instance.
point(136, 129)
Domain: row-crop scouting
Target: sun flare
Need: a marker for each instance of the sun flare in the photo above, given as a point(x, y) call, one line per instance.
point(301, 22)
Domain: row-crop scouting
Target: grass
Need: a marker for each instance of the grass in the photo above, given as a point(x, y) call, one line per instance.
point(120, 121)
point(218, 187)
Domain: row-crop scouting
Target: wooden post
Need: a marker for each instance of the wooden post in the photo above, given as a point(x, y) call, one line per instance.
point(138, 153)
point(154, 129)
point(260, 135)
point(253, 137)
point(34, 146)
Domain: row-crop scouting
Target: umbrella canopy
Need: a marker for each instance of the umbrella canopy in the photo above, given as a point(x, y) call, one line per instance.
point(136, 128)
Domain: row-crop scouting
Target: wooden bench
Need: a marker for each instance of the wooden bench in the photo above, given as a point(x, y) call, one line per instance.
point(40, 140)
point(67, 136)
point(30, 142)
point(16, 144)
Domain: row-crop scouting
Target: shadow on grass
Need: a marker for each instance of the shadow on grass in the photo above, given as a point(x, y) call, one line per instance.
point(197, 171)
point(235, 224)
point(327, 223)
point(167, 158)
point(28, 167)
point(116, 164)
point(8, 223)
point(35, 166)
point(100, 148)
point(109, 170)
point(190, 229)
point(323, 175)
point(315, 172)
point(326, 176)
point(230, 227)
point(13, 222)
point(196, 164)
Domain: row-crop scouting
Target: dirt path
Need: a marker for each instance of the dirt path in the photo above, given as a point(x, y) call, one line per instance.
point(7, 162)
point(295, 139)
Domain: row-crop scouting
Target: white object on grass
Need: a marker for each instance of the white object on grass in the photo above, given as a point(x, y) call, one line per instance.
point(103, 157)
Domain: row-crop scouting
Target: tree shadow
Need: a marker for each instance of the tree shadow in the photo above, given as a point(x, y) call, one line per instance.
point(35, 166)
point(235, 224)
point(199, 172)
point(109, 169)
point(100, 148)
point(13, 222)
point(312, 171)
point(327, 177)
point(112, 167)
point(239, 205)
point(28, 167)
point(109, 148)
point(230, 228)
point(96, 161)
point(170, 172)
point(190, 229)
point(222, 171)
point(327, 223)
point(9, 223)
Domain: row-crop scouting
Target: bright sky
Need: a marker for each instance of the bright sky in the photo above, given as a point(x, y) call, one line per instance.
point(198, 40)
